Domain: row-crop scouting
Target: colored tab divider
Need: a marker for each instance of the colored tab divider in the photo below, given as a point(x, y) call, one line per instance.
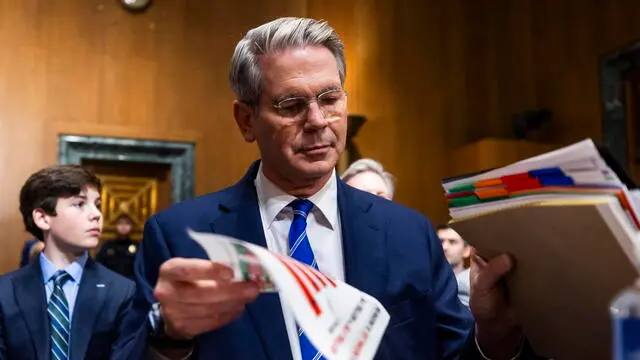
point(553, 176)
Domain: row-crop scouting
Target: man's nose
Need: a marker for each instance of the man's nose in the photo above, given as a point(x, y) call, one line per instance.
point(315, 116)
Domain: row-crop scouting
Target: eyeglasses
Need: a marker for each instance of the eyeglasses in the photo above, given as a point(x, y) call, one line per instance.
point(331, 103)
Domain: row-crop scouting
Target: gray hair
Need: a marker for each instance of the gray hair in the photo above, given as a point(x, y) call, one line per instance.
point(369, 165)
point(278, 35)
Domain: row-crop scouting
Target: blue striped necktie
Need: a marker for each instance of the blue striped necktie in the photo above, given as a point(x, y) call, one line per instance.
point(300, 249)
point(58, 310)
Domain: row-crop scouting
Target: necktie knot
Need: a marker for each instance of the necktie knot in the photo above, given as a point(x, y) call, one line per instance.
point(301, 208)
point(60, 278)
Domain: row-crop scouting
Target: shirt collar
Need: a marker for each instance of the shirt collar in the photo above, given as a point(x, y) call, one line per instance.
point(74, 269)
point(273, 199)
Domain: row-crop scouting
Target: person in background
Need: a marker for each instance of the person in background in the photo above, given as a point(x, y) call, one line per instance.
point(119, 254)
point(457, 252)
point(64, 305)
point(32, 248)
point(369, 175)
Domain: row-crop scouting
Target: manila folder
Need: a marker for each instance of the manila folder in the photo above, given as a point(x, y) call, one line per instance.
point(572, 260)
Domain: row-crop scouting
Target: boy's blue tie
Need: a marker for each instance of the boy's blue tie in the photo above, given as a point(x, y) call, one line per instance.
point(58, 309)
point(300, 249)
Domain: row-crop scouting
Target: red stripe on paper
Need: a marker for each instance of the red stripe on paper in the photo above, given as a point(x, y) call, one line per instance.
point(305, 290)
point(305, 272)
point(325, 277)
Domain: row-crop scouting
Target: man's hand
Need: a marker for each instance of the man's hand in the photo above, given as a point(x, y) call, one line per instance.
point(497, 328)
point(197, 296)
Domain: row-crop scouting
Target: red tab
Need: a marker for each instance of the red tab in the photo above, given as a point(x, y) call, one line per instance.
point(523, 184)
point(511, 178)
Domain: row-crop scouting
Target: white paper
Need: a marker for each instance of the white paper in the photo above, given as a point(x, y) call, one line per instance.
point(575, 160)
point(340, 321)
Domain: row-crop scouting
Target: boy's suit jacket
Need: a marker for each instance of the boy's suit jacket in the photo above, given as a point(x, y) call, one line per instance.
point(100, 314)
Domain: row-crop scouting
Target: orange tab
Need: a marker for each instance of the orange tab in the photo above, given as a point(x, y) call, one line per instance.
point(487, 183)
point(491, 193)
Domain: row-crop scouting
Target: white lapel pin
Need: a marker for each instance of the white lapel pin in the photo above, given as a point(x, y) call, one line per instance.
point(99, 285)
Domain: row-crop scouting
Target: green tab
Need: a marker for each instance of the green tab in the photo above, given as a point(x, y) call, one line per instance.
point(462, 188)
point(464, 201)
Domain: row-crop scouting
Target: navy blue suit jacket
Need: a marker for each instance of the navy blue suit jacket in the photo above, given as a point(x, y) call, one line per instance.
point(390, 252)
point(100, 315)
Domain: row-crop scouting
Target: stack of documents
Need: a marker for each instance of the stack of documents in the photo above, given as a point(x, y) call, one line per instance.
point(572, 226)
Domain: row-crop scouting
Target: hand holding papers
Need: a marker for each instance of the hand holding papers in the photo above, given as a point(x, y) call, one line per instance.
point(573, 228)
point(341, 321)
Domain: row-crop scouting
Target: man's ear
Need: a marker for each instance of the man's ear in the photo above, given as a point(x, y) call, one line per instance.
point(41, 219)
point(243, 114)
point(467, 251)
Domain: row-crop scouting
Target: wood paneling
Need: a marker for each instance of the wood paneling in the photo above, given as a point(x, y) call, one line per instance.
point(89, 67)
point(430, 76)
point(545, 54)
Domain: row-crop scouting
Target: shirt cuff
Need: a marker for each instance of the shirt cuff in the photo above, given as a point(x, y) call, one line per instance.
point(515, 357)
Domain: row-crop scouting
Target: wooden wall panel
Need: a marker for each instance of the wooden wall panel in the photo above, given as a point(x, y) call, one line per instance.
point(430, 76)
point(89, 67)
point(545, 54)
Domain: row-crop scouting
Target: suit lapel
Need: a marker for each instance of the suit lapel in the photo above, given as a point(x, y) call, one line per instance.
point(240, 218)
point(88, 305)
point(30, 296)
point(364, 243)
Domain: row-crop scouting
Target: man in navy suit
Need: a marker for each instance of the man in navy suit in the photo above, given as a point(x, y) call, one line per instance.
point(288, 76)
point(64, 305)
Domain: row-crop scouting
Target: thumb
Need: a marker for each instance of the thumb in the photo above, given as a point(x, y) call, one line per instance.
point(496, 268)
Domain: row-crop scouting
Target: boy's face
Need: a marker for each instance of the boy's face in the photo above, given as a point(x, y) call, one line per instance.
point(77, 225)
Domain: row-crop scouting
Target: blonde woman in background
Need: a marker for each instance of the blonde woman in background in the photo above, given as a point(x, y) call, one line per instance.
point(369, 175)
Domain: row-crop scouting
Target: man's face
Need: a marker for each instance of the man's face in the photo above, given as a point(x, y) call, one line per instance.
point(77, 225)
point(454, 247)
point(370, 182)
point(303, 140)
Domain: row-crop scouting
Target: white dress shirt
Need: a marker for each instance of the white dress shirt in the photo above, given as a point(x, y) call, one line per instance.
point(323, 229)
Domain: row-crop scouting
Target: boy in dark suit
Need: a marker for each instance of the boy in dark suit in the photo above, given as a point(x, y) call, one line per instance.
point(64, 305)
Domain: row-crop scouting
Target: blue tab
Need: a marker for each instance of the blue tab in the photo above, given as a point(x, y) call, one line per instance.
point(544, 172)
point(556, 181)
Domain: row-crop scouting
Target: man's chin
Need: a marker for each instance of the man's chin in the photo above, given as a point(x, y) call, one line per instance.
point(317, 168)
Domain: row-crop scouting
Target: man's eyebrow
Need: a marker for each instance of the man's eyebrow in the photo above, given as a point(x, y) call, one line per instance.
point(330, 88)
point(288, 95)
point(291, 94)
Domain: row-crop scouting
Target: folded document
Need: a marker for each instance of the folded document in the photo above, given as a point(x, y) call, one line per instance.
point(339, 320)
point(573, 228)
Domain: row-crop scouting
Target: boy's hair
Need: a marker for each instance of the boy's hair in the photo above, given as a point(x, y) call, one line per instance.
point(43, 189)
